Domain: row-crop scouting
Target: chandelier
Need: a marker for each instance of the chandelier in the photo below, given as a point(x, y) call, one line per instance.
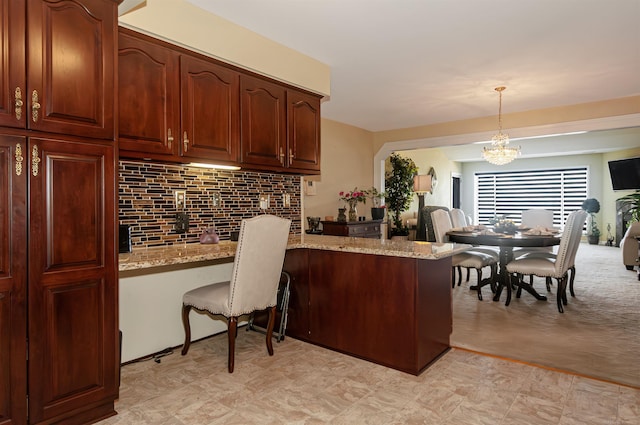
point(500, 152)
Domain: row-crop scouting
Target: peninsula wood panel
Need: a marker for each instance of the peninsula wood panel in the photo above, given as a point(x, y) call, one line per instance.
point(394, 311)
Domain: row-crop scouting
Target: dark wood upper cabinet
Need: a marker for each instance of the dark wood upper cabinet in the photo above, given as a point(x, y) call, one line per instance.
point(210, 124)
point(303, 125)
point(56, 66)
point(13, 88)
point(70, 67)
point(13, 279)
point(148, 98)
point(178, 106)
point(263, 122)
point(174, 106)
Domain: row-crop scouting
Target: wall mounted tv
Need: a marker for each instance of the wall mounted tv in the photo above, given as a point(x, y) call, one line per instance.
point(625, 174)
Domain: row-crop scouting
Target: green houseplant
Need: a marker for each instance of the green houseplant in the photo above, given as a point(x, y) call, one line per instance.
point(592, 206)
point(377, 209)
point(398, 183)
point(633, 201)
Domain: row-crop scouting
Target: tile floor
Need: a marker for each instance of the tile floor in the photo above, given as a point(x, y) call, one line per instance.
point(305, 384)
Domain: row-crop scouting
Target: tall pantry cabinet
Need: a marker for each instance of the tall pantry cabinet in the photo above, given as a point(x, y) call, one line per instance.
point(58, 262)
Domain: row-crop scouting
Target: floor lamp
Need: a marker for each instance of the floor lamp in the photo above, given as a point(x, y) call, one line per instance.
point(421, 185)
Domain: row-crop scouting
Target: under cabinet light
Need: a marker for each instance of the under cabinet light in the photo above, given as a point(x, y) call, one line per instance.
point(214, 166)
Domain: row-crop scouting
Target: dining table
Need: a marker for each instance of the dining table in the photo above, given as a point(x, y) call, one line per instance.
point(506, 243)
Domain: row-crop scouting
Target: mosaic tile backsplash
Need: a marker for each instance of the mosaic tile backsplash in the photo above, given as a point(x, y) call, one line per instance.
point(147, 202)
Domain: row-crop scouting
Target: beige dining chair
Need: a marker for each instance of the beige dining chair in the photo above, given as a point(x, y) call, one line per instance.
point(558, 266)
point(253, 286)
point(468, 259)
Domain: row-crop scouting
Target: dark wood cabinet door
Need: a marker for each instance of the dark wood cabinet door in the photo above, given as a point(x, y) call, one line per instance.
point(13, 90)
point(70, 66)
point(210, 124)
point(73, 349)
point(296, 263)
point(262, 122)
point(303, 124)
point(13, 280)
point(148, 98)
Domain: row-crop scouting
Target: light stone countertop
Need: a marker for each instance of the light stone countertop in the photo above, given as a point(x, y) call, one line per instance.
point(190, 253)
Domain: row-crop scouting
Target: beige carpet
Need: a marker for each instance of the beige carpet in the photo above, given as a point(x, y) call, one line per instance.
point(597, 336)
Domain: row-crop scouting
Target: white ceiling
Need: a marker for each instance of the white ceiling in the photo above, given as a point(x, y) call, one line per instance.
point(405, 63)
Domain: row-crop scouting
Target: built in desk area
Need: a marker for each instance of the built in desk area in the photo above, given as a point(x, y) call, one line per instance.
point(385, 301)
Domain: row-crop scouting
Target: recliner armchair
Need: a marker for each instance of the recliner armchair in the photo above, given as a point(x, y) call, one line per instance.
point(629, 246)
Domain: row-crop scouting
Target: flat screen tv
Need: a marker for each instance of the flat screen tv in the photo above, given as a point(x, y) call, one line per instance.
point(625, 174)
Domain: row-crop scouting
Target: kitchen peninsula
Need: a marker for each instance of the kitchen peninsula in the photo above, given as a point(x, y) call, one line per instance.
point(385, 301)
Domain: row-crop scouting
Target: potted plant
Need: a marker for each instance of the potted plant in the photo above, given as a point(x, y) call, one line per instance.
point(592, 206)
point(377, 209)
point(633, 201)
point(398, 183)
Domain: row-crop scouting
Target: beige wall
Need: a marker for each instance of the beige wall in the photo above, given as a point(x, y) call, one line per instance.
point(181, 23)
point(425, 159)
point(347, 158)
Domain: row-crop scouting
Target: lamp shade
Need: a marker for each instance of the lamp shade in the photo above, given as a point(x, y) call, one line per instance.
point(422, 183)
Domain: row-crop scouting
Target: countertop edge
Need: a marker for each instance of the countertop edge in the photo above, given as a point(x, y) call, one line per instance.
point(147, 258)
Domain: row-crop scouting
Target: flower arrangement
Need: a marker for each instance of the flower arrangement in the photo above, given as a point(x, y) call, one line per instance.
point(503, 225)
point(353, 197)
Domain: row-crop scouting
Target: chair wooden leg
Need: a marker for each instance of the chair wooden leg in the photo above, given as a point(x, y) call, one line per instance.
point(453, 277)
point(479, 284)
point(548, 282)
point(573, 275)
point(232, 327)
point(459, 275)
point(187, 328)
point(468, 274)
point(270, 325)
point(561, 288)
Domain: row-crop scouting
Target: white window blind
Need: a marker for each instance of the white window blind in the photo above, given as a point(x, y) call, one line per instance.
point(511, 192)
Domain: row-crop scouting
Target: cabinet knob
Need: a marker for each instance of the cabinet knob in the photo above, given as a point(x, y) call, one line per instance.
point(19, 159)
point(35, 161)
point(18, 103)
point(169, 139)
point(35, 106)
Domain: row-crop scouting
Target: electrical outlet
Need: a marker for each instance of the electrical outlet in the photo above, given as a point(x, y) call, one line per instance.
point(182, 223)
point(264, 201)
point(286, 200)
point(215, 200)
point(180, 197)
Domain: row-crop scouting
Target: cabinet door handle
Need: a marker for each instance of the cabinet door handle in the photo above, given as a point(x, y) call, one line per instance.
point(185, 141)
point(281, 156)
point(290, 156)
point(18, 103)
point(169, 139)
point(35, 161)
point(35, 106)
point(19, 159)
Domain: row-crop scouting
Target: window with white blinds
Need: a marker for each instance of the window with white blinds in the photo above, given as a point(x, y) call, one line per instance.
point(511, 192)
